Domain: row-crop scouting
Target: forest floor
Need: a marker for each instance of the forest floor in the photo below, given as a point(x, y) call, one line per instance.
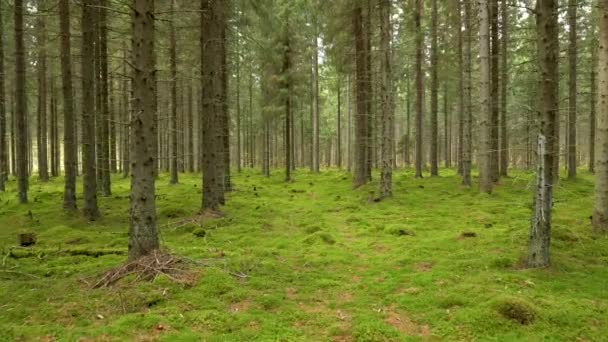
point(311, 260)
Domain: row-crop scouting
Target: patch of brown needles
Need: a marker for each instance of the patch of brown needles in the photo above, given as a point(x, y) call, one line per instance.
point(149, 267)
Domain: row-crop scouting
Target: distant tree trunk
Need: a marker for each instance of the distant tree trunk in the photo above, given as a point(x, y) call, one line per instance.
point(360, 157)
point(239, 161)
point(494, 91)
point(90, 209)
point(53, 132)
point(388, 129)
point(143, 233)
point(418, 103)
point(173, 120)
point(408, 128)
point(600, 212)
point(504, 83)
point(127, 111)
point(461, 94)
point(316, 109)
point(548, 54)
point(593, 99)
point(70, 151)
point(106, 183)
point(349, 158)
point(225, 113)
point(369, 93)
point(447, 148)
point(339, 127)
point(485, 123)
point(190, 128)
point(288, 104)
point(3, 143)
point(572, 86)
point(112, 124)
point(21, 104)
point(467, 104)
point(212, 23)
point(434, 91)
point(41, 135)
point(12, 136)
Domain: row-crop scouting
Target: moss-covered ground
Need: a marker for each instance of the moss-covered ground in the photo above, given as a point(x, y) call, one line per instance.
point(311, 260)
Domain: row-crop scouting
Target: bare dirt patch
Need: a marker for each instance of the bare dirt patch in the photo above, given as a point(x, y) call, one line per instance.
point(405, 325)
point(424, 266)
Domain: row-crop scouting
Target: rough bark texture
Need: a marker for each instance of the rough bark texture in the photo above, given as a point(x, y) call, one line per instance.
point(173, 83)
point(386, 167)
point(90, 209)
point(504, 83)
point(143, 233)
point(360, 153)
point(41, 136)
point(600, 212)
point(548, 54)
point(288, 115)
point(485, 122)
point(212, 23)
point(316, 109)
point(3, 143)
point(592, 99)
point(494, 90)
point(104, 167)
point(572, 86)
point(70, 158)
point(21, 135)
point(434, 92)
point(418, 84)
point(467, 117)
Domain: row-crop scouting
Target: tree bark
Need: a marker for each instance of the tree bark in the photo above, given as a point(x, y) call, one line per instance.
point(360, 153)
point(485, 123)
point(212, 23)
point(494, 91)
point(4, 167)
point(21, 135)
point(418, 102)
point(548, 54)
point(143, 233)
point(434, 92)
point(104, 168)
point(593, 99)
point(467, 101)
point(70, 151)
point(42, 141)
point(316, 109)
point(388, 130)
point(504, 83)
point(173, 84)
point(572, 86)
point(600, 212)
point(90, 209)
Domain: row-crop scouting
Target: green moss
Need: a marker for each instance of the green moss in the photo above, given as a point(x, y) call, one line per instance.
point(313, 260)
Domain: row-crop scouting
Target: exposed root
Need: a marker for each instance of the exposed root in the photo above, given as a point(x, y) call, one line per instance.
point(148, 267)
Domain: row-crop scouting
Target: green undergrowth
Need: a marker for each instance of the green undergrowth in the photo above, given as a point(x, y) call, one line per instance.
point(311, 260)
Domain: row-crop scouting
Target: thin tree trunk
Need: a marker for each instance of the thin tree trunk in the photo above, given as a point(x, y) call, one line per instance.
point(21, 135)
point(348, 125)
point(548, 54)
point(600, 212)
point(288, 116)
point(70, 152)
point(434, 90)
point(572, 86)
point(418, 103)
point(408, 128)
point(504, 83)
point(339, 128)
point(4, 167)
point(127, 115)
point(447, 148)
point(360, 157)
point(467, 101)
point(90, 209)
point(239, 161)
point(143, 233)
point(316, 114)
point(485, 123)
point(593, 99)
point(41, 135)
point(173, 120)
point(106, 183)
point(388, 129)
point(494, 91)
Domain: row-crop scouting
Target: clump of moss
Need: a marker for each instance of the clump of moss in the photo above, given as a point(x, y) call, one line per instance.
point(199, 232)
point(320, 236)
point(517, 310)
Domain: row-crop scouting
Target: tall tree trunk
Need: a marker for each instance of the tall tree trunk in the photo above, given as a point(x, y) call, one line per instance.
point(600, 212)
point(494, 91)
point(418, 102)
point(572, 86)
point(434, 91)
point(225, 114)
point(339, 128)
point(190, 128)
point(548, 54)
point(239, 162)
point(485, 124)
point(127, 102)
point(90, 209)
point(360, 158)
point(504, 83)
point(106, 183)
point(408, 128)
point(467, 101)
point(42, 141)
point(173, 119)
point(316, 109)
point(212, 24)
point(21, 135)
point(143, 233)
point(4, 167)
point(113, 134)
point(70, 151)
point(369, 94)
point(349, 158)
point(388, 130)
point(288, 104)
point(447, 148)
point(53, 132)
point(593, 99)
